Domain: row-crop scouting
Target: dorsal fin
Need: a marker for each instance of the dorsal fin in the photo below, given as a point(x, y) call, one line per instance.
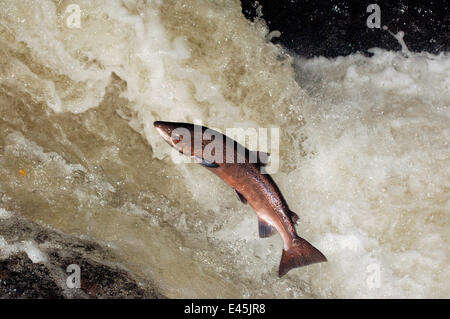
point(265, 230)
point(209, 164)
point(261, 157)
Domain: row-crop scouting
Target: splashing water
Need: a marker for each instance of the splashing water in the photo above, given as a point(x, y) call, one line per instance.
point(364, 148)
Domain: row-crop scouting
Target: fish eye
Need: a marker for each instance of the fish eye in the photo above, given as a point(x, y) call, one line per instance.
point(177, 137)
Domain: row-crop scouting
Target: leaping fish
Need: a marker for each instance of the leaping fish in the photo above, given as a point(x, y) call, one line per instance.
point(238, 169)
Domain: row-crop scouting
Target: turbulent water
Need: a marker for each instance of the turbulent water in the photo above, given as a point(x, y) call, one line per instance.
point(364, 149)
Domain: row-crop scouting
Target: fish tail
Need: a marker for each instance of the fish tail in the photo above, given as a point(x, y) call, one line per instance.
point(301, 253)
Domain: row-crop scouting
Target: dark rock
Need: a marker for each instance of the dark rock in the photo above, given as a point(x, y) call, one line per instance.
point(338, 27)
point(102, 275)
point(21, 278)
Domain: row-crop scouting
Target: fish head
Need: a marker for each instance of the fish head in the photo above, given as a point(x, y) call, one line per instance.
point(178, 135)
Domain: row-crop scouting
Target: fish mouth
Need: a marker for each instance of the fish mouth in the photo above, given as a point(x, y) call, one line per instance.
point(158, 124)
point(166, 132)
point(162, 130)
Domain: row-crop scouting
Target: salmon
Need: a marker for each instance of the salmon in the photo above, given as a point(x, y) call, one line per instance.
point(241, 169)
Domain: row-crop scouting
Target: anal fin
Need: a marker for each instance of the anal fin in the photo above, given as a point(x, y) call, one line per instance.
point(265, 230)
point(294, 217)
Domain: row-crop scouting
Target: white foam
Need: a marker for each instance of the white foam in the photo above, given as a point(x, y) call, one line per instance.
point(4, 214)
point(379, 134)
point(30, 248)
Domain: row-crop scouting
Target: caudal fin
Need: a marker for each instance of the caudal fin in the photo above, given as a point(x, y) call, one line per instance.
point(300, 254)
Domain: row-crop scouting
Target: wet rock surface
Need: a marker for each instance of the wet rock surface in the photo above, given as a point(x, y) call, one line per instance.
point(101, 276)
point(21, 278)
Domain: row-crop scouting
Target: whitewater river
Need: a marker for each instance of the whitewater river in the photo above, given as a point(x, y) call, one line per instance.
point(364, 155)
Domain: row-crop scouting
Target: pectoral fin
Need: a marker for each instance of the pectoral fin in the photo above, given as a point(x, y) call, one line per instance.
point(241, 197)
point(205, 163)
point(209, 164)
point(265, 230)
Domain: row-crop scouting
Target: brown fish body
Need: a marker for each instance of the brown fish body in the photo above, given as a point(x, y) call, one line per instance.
point(262, 195)
point(241, 169)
